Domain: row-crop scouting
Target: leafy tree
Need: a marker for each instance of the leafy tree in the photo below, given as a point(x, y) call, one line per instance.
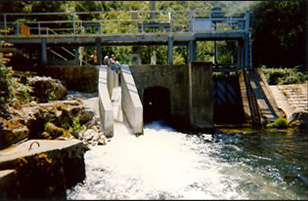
point(278, 33)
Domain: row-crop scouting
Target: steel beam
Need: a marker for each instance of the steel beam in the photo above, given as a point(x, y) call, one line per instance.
point(99, 51)
point(44, 52)
point(192, 51)
point(170, 50)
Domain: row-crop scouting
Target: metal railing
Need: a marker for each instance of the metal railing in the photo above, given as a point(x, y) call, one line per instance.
point(123, 22)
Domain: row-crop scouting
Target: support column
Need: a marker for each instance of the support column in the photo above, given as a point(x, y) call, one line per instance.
point(99, 51)
point(44, 52)
point(243, 56)
point(215, 53)
point(170, 50)
point(247, 24)
point(247, 51)
point(192, 51)
point(239, 54)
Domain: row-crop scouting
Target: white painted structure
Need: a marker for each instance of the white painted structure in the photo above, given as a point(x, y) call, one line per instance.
point(131, 103)
point(105, 106)
point(131, 106)
point(112, 80)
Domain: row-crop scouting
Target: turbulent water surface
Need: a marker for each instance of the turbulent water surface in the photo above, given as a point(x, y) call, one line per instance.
point(164, 164)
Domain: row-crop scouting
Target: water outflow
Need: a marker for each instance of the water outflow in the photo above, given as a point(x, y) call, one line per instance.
point(165, 164)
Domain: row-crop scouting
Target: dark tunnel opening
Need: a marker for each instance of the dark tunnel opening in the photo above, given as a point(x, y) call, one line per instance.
point(156, 105)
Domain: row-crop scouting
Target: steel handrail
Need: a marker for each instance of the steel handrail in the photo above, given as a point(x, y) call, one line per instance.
point(142, 18)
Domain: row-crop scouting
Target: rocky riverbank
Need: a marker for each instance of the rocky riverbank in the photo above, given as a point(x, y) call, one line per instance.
point(40, 112)
point(53, 113)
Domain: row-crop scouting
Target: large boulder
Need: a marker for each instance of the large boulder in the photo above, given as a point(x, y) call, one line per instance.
point(46, 89)
point(11, 132)
point(299, 119)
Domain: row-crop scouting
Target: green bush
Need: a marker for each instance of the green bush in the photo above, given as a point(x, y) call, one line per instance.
point(11, 90)
point(76, 127)
point(279, 123)
point(282, 76)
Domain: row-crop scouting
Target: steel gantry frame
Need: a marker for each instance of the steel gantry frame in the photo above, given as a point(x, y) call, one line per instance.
point(135, 28)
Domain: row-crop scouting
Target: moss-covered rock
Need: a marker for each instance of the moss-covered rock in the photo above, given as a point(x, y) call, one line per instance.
point(46, 89)
point(11, 132)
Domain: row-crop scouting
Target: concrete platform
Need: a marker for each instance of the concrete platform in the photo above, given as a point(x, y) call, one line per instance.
point(44, 169)
point(32, 147)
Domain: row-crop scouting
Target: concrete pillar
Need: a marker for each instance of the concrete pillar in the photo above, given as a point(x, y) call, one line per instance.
point(200, 94)
point(170, 50)
point(192, 51)
point(44, 51)
point(99, 51)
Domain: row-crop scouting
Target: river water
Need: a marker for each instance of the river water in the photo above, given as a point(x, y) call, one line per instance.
point(165, 164)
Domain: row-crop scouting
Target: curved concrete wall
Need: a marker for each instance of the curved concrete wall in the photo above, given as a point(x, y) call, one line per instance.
point(105, 105)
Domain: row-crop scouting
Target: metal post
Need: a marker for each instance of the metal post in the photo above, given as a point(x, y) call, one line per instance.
point(242, 56)
point(39, 28)
point(17, 29)
point(215, 52)
point(247, 24)
point(100, 27)
point(153, 10)
point(170, 50)
point(44, 51)
point(239, 58)
point(99, 51)
point(74, 25)
point(247, 51)
point(4, 21)
point(192, 51)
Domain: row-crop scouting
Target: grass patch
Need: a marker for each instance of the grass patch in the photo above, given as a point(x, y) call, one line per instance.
point(280, 76)
point(280, 123)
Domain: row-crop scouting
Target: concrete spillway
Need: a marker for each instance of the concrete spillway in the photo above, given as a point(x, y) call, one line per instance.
point(118, 102)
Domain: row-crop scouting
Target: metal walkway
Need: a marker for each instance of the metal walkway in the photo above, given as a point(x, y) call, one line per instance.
point(133, 28)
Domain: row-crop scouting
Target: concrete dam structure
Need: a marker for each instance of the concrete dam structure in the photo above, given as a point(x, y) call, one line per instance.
point(179, 95)
point(188, 96)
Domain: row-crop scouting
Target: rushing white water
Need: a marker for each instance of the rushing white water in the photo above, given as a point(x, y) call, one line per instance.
point(164, 164)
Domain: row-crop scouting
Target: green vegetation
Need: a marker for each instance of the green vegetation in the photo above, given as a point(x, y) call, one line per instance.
point(278, 33)
point(280, 123)
point(276, 76)
point(277, 29)
point(76, 127)
point(12, 91)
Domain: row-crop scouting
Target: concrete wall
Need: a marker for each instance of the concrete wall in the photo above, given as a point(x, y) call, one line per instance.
point(171, 77)
point(112, 80)
point(190, 90)
point(105, 106)
point(44, 169)
point(78, 78)
point(201, 94)
point(131, 103)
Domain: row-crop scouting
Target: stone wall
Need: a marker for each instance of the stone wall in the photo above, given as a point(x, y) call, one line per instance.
point(76, 78)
